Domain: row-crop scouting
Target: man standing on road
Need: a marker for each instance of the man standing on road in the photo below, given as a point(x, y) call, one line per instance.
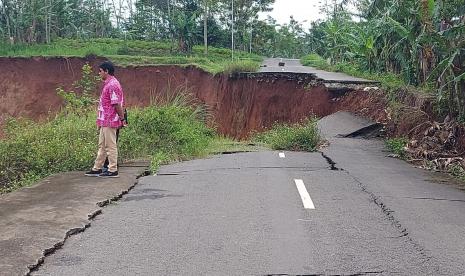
point(110, 119)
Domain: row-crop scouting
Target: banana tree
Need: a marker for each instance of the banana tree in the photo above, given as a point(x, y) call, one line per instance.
point(184, 23)
point(449, 74)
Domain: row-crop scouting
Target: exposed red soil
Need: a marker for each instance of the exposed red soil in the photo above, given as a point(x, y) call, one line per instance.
point(370, 104)
point(237, 105)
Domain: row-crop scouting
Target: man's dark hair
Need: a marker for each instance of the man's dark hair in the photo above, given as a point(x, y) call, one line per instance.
point(108, 67)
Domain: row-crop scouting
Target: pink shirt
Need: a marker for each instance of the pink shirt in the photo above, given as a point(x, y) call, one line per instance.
point(112, 93)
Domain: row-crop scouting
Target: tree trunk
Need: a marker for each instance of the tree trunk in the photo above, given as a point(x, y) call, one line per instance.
point(7, 20)
point(205, 33)
point(32, 32)
point(48, 11)
point(250, 42)
point(232, 30)
point(459, 69)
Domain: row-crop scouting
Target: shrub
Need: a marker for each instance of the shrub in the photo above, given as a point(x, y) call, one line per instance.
point(31, 151)
point(34, 151)
point(173, 129)
point(81, 99)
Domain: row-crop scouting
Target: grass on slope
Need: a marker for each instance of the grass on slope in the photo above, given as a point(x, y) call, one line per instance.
point(137, 52)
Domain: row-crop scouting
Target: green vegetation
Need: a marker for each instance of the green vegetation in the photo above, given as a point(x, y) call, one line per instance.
point(389, 81)
point(297, 137)
point(33, 151)
point(116, 47)
point(170, 129)
point(241, 66)
point(397, 145)
point(128, 53)
point(69, 142)
point(412, 42)
point(174, 128)
point(82, 102)
point(223, 144)
point(314, 60)
point(184, 23)
point(458, 172)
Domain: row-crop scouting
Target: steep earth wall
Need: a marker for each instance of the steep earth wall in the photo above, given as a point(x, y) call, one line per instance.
point(237, 104)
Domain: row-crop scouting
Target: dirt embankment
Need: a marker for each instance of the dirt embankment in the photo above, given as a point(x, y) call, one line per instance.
point(237, 105)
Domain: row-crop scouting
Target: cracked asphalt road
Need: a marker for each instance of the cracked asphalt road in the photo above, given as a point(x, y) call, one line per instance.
point(241, 214)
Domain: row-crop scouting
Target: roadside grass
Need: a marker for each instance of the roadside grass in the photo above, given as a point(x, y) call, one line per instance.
point(212, 66)
point(240, 66)
point(137, 53)
point(172, 128)
point(31, 151)
point(68, 142)
point(314, 60)
point(458, 172)
point(389, 81)
point(295, 137)
point(101, 46)
point(397, 146)
point(225, 145)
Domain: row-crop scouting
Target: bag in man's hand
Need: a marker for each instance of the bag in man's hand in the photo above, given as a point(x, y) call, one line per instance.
point(126, 115)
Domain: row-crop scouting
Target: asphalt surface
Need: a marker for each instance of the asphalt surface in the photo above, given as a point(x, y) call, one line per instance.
point(294, 66)
point(242, 214)
point(36, 220)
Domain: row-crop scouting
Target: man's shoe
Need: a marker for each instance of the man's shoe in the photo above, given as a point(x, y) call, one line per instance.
point(93, 173)
point(109, 174)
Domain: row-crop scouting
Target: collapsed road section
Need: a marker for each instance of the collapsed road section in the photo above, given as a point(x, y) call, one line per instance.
point(237, 104)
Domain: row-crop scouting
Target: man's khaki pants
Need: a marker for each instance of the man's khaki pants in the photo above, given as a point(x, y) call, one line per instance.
point(107, 147)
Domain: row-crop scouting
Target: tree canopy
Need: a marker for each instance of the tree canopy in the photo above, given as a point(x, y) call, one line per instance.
point(423, 41)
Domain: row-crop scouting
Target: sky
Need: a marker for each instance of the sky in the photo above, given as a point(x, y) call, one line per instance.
point(301, 10)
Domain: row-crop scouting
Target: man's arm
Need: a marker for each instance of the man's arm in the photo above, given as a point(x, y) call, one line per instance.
point(119, 110)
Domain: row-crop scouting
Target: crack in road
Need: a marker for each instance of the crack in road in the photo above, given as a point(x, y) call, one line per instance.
point(49, 251)
point(351, 274)
point(331, 163)
point(432, 198)
point(388, 214)
point(74, 231)
point(376, 199)
point(173, 173)
point(394, 221)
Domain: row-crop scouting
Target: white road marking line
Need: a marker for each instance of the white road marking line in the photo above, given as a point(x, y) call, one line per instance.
point(281, 154)
point(306, 200)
